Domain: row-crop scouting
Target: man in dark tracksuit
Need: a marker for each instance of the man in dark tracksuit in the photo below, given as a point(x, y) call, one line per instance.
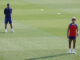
point(8, 12)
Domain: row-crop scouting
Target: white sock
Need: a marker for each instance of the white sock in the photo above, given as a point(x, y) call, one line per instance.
point(12, 30)
point(5, 30)
point(69, 49)
point(73, 49)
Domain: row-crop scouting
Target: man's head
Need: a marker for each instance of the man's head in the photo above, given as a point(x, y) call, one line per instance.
point(8, 5)
point(73, 20)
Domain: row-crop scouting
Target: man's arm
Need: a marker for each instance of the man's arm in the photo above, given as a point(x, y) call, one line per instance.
point(77, 31)
point(68, 32)
point(4, 11)
point(11, 11)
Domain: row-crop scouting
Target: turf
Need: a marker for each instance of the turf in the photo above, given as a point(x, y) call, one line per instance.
point(39, 35)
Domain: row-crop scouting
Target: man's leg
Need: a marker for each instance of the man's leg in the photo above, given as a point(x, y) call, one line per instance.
point(74, 44)
point(70, 41)
point(5, 27)
point(11, 27)
point(10, 22)
point(6, 22)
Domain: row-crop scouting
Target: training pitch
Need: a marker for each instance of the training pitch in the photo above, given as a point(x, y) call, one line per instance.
point(40, 30)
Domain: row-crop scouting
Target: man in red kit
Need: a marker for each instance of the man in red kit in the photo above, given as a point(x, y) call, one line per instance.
point(72, 33)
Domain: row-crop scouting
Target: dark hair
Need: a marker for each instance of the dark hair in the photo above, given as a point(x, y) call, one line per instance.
point(8, 4)
point(73, 18)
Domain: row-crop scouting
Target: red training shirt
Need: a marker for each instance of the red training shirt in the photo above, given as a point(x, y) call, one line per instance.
point(73, 30)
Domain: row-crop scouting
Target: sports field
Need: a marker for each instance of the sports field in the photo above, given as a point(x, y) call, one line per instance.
point(40, 30)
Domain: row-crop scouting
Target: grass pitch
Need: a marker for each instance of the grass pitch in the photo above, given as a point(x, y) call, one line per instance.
point(39, 34)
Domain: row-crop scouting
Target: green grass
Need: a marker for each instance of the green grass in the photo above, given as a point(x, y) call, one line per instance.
point(38, 35)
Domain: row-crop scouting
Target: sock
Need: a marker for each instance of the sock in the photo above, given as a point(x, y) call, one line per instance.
point(73, 49)
point(70, 49)
point(11, 28)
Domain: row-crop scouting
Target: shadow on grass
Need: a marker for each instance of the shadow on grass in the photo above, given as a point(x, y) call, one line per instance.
point(2, 32)
point(45, 57)
point(5, 32)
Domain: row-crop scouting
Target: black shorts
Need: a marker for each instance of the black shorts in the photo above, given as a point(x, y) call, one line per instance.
point(72, 38)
